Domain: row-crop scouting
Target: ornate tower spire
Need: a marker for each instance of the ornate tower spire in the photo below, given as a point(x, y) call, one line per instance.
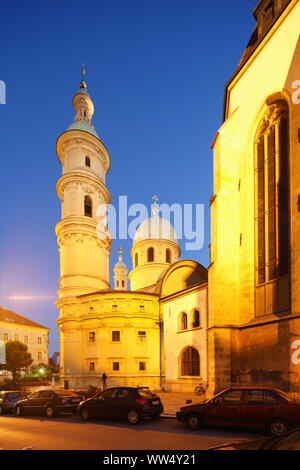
point(120, 271)
point(155, 209)
point(84, 250)
point(83, 84)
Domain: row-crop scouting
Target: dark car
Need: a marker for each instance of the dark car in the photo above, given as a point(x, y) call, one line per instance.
point(263, 408)
point(8, 399)
point(130, 403)
point(49, 403)
point(289, 441)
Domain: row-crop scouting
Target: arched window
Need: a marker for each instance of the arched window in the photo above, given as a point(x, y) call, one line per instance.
point(190, 362)
point(168, 255)
point(87, 161)
point(183, 321)
point(88, 206)
point(150, 254)
point(196, 319)
point(272, 210)
point(136, 260)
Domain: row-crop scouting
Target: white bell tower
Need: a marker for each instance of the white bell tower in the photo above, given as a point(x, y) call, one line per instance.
point(84, 248)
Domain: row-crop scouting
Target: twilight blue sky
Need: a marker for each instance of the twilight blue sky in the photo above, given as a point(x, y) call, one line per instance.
point(156, 71)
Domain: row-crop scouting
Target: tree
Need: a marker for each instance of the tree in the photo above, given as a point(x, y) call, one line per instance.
point(17, 358)
point(44, 370)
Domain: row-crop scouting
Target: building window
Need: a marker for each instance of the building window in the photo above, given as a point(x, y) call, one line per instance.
point(142, 365)
point(40, 356)
point(115, 307)
point(87, 161)
point(88, 206)
point(39, 340)
point(5, 337)
point(142, 336)
point(92, 337)
point(168, 255)
point(116, 366)
point(117, 283)
point(92, 366)
point(196, 319)
point(142, 308)
point(190, 362)
point(136, 260)
point(183, 325)
point(272, 209)
point(26, 339)
point(123, 283)
point(116, 336)
point(150, 254)
point(16, 337)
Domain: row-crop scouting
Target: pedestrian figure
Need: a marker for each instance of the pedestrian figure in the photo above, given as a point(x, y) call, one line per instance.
point(104, 377)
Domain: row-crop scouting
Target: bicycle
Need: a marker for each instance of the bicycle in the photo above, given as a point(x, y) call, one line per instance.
point(200, 389)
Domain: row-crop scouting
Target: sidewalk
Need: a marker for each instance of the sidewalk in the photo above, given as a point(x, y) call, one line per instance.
point(172, 401)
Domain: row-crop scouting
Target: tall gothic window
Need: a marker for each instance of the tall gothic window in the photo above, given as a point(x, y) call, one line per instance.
point(272, 210)
point(190, 362)
point(88, 206)
point(136, 260)
point(168, 255)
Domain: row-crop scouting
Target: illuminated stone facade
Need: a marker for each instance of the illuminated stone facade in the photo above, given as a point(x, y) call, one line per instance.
point(117, 331)
point(254, 273)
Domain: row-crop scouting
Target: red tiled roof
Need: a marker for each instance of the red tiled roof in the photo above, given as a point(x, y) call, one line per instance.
point(14, 318)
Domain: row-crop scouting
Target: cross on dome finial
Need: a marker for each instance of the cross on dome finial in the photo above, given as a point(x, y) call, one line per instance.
point(155, 208)
point(82, 84)
point(120, 253)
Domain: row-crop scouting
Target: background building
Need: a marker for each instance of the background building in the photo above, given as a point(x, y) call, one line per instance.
point(14, 327)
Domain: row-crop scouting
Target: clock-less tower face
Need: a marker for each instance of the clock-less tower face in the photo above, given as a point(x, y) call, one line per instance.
point(84, 242)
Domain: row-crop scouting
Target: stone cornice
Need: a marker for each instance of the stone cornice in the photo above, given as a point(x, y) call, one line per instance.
point(87, 181)
point(77, 137)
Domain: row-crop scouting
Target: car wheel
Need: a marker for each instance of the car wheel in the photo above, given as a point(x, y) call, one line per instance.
point(50, 412)
point(133, 416)
point(85, 414)
point(19, 411)
point(277, 427)
point(193, 421)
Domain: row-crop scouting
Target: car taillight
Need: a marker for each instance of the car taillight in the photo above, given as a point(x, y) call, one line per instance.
point(141, 401)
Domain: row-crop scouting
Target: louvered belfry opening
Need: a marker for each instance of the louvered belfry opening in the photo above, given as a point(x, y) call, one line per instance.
point(272, 210)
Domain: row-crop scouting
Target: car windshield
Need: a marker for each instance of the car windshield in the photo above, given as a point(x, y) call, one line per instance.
point(286, 396)
point(145, 393)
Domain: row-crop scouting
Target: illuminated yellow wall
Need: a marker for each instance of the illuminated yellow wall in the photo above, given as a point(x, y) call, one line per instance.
point(268, 75)
point(103, 313)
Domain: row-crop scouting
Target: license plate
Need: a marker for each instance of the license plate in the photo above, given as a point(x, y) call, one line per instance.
point(156, 402)
point(75, 400)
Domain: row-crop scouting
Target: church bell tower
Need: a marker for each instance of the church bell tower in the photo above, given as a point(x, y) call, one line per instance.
point(83, 240)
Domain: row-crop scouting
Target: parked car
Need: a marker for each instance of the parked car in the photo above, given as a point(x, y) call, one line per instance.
point(290, 441)
point(49, 403)
point(131, 403)
point(252, 407)
point(8, 399)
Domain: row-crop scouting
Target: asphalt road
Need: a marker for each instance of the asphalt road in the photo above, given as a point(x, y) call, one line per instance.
point(70, 433)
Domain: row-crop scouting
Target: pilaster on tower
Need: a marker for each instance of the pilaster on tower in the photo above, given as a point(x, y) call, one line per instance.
point(84, 243)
